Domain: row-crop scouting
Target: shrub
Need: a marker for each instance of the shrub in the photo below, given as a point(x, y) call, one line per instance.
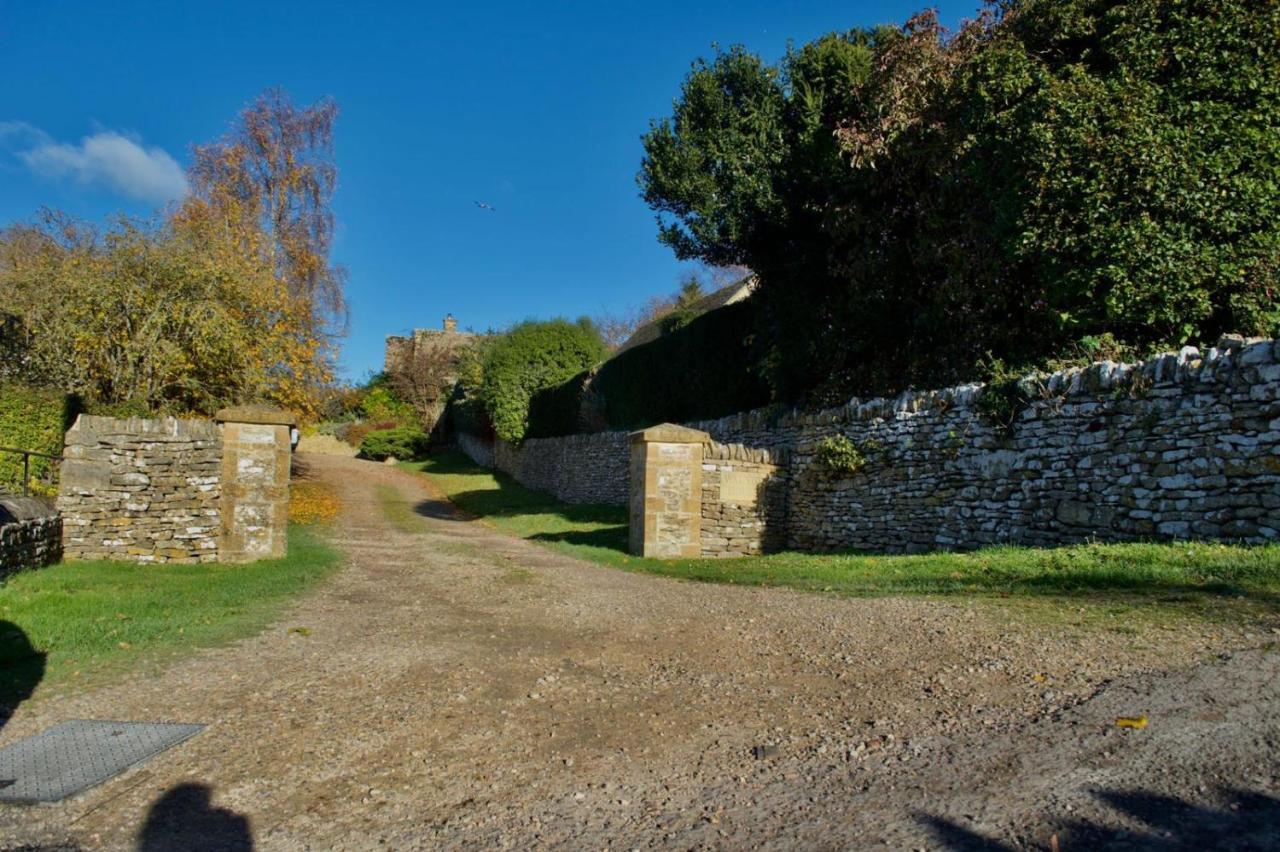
point(380, 404)
point(354, 433)
point(839, 454)
point(405, 442)
point(37, 420)
point(530, 357)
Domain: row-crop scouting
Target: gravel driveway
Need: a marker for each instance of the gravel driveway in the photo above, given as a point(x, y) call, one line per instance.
point(459, 687)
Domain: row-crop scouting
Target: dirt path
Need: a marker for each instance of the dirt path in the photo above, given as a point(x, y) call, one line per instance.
point(459, 687)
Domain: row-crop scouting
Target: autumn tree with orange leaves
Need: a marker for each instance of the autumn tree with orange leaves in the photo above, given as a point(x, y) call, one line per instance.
point(230, 298)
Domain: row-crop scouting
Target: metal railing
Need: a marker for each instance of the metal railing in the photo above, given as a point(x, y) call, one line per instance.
point(26, 464)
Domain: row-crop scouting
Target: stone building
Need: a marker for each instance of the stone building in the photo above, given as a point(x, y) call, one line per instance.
point(423, 366)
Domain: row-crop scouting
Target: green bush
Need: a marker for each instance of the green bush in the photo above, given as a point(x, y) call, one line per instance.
point(839, 454)
point(37, 420)
point(529, 358)
point(380, 404)
point(404, 442)
point(700, 371)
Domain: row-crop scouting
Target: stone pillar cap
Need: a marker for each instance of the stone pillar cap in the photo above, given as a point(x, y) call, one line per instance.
point(265, 414)
point(669, 433)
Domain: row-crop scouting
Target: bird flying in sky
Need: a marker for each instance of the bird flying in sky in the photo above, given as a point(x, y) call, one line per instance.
point(483, 206)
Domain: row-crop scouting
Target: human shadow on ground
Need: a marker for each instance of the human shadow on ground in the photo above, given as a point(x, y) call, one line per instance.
point(21, 669)
point(185, 818)
point(1248, 821)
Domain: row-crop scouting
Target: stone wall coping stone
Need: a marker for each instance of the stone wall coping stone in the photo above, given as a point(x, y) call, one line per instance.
point(1184, 367)
point(14, 508)
point(138, 427)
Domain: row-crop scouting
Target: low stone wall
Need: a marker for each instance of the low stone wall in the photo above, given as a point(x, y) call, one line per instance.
point(576, 468)
point(1185, 445)
point(744, 500)
point(141, 490)
point(30, 533)
point(1182, 446)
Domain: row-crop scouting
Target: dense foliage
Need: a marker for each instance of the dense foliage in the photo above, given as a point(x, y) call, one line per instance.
point(528, 358)
point(697, 371)
point(562, 409)
point(35, 420)
point(916, 202)
point(161, 317)
point(700, 371)
point(403, 442)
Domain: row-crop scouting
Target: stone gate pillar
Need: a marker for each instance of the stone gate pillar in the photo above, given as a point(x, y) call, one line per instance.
point(666, 492)
point(256, 456)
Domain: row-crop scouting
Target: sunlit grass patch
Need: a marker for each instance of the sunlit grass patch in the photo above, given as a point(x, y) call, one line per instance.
point(82, 621)
point(1086, 583)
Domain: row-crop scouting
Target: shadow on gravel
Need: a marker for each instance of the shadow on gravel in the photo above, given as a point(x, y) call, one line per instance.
point(1248, 821)
point(440, 510)
point(185, 818)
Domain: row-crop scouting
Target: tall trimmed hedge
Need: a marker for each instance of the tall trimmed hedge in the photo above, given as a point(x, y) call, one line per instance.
point(32, 419)
point(701, 371)
point(559, 410)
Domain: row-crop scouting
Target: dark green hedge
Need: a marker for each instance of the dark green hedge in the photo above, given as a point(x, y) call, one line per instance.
point(700, 371)
point(558, 410)
point(705, 369)
point(33, 419)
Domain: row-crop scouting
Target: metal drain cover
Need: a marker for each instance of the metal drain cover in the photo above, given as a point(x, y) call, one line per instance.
point(76, 755)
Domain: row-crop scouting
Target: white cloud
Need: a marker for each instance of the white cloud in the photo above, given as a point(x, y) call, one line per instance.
point(105, 158)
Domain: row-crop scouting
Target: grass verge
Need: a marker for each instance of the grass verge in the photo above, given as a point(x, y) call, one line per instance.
point(80, 621)
point(1215, 581)
point(398, 512)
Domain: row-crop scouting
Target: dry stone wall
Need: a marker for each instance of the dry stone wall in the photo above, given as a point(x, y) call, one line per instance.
point(30, 533)
point(744, 500)
point(141, 490)
point(576, 469)
point(479, 449)
point(1185, 445)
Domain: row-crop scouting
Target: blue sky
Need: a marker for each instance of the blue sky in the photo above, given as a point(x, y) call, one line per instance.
point(534, 108)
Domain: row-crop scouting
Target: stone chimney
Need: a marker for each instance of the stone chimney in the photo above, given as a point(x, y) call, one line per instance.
point(450, 324)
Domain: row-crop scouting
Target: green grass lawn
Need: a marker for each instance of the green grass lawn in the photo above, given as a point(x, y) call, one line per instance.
point(1207, 579)
point(80, 621)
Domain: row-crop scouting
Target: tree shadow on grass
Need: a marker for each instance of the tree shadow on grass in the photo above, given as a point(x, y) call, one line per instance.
point(1115, 590)
point(495, 502)
point(21, 669)
point(605, 538)
point(185, 818)
point(1248, 821)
